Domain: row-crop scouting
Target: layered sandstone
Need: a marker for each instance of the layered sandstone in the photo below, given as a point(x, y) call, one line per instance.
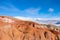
point(14, 29)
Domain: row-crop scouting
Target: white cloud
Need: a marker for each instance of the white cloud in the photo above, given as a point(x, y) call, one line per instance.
point(55, 18)
point(32, 10)
point(29, 18)
point(24, 18)
point(39, 20)
point(50, 9)
point(11, 8)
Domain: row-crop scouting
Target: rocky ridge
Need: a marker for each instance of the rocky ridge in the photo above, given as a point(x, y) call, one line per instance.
point(14, 29)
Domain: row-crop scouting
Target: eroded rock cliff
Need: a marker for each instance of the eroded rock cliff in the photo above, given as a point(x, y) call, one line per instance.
point(14, 29)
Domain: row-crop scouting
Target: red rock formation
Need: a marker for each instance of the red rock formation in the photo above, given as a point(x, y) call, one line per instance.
point(14, 29)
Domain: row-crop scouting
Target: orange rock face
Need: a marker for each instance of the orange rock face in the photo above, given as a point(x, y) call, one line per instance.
point(14, 29)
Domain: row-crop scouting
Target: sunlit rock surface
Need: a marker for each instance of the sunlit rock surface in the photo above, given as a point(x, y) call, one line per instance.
point(14, 29)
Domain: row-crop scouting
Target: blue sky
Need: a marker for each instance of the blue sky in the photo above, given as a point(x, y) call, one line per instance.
point(31, 8)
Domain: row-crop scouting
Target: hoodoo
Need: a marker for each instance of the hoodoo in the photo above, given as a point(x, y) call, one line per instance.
point(15, 29)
